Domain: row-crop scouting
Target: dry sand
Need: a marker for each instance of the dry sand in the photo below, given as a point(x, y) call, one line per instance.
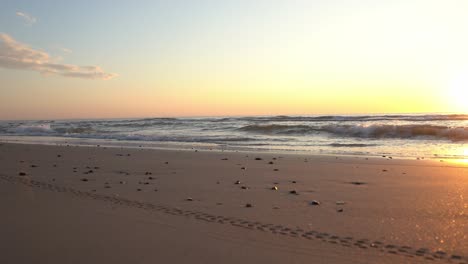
point(112, 205)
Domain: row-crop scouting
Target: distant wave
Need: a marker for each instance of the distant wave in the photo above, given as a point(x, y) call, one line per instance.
point(357, 145)
point(325, 118)
point(362, 131)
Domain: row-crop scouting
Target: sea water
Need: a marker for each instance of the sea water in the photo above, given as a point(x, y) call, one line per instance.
point(440, 136)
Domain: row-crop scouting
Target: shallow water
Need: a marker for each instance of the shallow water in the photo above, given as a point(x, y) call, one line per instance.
point(430, 136)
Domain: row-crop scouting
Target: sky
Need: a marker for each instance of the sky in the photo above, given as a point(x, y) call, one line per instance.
point(115, 59)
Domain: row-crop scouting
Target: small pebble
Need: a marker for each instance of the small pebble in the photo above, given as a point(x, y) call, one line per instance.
point(22, 173)
point(84, 179)
point(274, 188)
point(237, 182)
point(315, 202)
point(248, 205)
point(293, 192)
point(189, 199)
point(258, 158)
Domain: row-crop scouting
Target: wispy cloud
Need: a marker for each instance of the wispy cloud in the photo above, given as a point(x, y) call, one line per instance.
point(27, 18)
point(65, 50)
point(16, 55)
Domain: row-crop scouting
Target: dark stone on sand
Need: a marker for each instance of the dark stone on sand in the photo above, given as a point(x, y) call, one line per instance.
point(122, 182)
point(22, 173)
point(224, 159)
point(357, 183)
point(275, 170)
point(90, 171)
point(84, 179)
point(189, 199)
point(59, 156)
point(293, 182)
point(258, 158)
point(248, 205)
point(138, 190)
point(340, 210)
point(315, 202)
point(271, 162)
point(293, 192)
point(33, 166)
point(243, 168)
point(150, 178)
point(274, 188)
point(244, 187)
point(148, 173)
point(107, 186)
point(167, 162)
point(237, 182)
point(55, 165)
point(384, 170)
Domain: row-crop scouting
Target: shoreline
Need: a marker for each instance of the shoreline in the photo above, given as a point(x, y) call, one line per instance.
point(399, 210)
point(187, 146)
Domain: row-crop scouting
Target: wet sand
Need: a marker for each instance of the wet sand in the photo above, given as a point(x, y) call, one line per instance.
point(71, 204)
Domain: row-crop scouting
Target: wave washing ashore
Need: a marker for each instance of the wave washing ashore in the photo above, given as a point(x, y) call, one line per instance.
point(431, 136)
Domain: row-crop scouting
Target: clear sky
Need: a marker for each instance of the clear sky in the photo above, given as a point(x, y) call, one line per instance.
point(93, 59)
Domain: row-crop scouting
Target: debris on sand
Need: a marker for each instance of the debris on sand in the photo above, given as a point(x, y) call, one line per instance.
point(315, 202)
point(358, 183)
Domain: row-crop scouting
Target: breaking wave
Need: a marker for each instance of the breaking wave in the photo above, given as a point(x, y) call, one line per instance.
point(363, 131)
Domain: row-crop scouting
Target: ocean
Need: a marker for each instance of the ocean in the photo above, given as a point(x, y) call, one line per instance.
point(437, 136)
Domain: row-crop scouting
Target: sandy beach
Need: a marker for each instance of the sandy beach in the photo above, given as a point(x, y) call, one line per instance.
point(70, 204)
